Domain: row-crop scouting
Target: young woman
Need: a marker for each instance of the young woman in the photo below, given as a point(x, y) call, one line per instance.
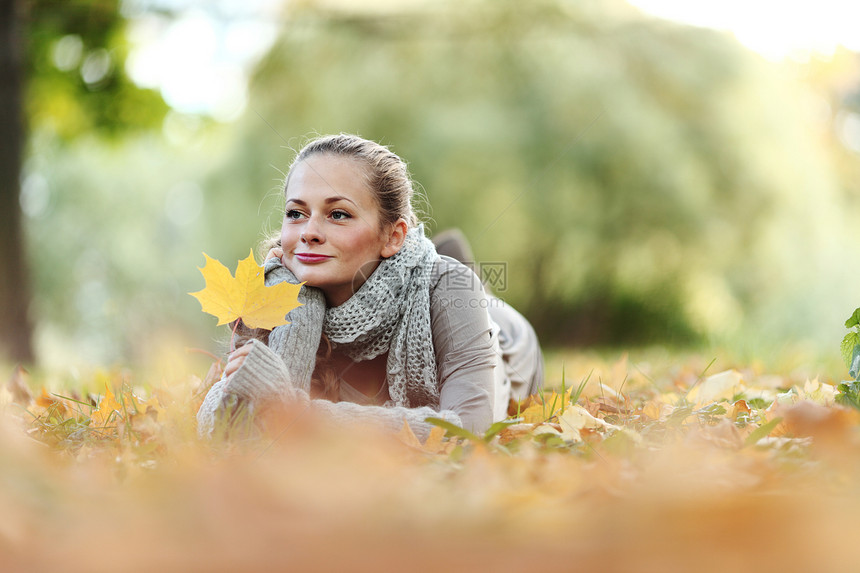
point(388, 331)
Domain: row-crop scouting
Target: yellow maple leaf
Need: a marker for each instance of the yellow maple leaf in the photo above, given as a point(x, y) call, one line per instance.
point(246, 296)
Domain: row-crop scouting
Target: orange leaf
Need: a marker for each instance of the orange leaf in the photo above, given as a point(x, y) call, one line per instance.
point(246, 296)
point(434, 442)
point(408, 437)
point(107, 406)
point(46, 401)
point(740, 407)
point(514, 431)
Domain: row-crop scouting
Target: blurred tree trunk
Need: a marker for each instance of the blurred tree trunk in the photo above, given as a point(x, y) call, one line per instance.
point(15, 327)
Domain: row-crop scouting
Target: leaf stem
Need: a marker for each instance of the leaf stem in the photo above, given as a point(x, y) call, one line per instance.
point(233, 335)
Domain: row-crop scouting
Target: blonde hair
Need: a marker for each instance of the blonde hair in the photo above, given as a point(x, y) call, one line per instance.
point(387, 174)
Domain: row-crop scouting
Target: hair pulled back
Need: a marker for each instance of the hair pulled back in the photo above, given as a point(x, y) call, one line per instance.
point(386, 174)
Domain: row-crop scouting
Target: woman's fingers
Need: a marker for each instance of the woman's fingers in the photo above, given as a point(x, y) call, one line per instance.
point(275, 253)
point(236, 359)
point(232, 365)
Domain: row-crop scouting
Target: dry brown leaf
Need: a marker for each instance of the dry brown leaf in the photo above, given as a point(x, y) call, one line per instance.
point(19, 388)
point(740, 407)
point(827, 425)
point(408, 437)
point(514, 432)
point(723, 434)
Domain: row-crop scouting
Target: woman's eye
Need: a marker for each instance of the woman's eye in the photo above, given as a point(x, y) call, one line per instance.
point(339, 215)
point(293, 214)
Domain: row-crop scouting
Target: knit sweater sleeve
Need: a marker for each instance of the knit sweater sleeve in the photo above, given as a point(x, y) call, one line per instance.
point(264, 376)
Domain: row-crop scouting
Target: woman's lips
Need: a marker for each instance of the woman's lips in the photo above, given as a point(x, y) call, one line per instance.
point(311, 258)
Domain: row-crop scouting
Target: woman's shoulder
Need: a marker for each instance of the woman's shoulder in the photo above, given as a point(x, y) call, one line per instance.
point(450, 274)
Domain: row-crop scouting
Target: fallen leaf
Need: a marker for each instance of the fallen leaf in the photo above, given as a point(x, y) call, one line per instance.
point(516, 407)
point(17, 385)
point(577, 418)
point(826, 425)
point(536, 413)
point(408, 437)
point(722, 386)
point(514, 432)
point(246, 296)
point(545, 407)
point(47, 401)
point(145, 424)
point(107, 406)
point(655, 410)
point(816, 391)
point(723, 434)
point(434, 442)
point(740, 407)
point(545, 429)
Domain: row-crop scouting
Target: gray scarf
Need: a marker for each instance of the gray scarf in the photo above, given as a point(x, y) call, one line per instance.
point(390, 313)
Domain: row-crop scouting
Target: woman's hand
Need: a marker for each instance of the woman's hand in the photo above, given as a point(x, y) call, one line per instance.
point(276, 253)
point(236, 359)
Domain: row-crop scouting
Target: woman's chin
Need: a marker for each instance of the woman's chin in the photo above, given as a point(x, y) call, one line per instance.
point(309, 278)
point(297, 270)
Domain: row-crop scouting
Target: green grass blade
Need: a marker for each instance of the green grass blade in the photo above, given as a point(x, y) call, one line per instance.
point(495, 429)
point(453, 429)
point(87, 404)
point(761, 432)
point(574, 398)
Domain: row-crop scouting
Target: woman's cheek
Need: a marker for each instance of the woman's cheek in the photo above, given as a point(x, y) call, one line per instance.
point(295, 269)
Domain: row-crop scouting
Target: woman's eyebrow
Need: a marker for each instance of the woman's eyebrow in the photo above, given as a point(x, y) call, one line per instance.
point(337, 198)
point(333, 199)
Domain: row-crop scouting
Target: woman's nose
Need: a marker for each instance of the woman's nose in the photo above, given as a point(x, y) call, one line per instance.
point(312, 231)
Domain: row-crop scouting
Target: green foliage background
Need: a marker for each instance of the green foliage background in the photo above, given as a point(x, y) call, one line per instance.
point(644, 182)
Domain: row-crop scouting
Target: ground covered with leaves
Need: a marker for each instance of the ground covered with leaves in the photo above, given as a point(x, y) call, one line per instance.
point(620, 465)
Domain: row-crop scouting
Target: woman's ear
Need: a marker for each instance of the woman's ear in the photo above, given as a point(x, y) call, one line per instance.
point(396, 236)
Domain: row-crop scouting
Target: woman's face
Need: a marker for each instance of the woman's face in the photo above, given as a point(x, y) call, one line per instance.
point(331, 235)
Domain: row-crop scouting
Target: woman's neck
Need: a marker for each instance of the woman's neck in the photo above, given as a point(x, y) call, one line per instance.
point(367, 376)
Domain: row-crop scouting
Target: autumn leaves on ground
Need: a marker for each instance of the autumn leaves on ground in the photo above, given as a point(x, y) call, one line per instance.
point(617, 465)
point(621, 465)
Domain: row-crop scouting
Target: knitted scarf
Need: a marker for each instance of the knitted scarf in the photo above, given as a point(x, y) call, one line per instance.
point(390, 313)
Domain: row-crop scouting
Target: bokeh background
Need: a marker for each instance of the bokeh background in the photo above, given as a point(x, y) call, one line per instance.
point(646, 181)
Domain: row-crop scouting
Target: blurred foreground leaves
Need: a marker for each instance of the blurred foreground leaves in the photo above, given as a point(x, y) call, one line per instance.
point(632, 468)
